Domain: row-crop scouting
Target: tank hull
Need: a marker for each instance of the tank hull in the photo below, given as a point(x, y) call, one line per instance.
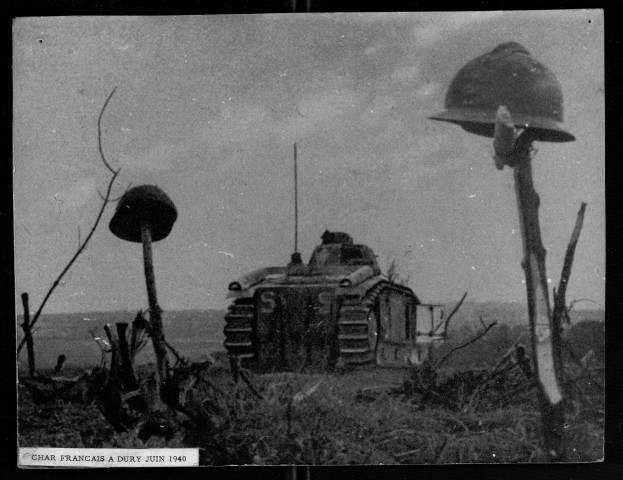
point(300, 324)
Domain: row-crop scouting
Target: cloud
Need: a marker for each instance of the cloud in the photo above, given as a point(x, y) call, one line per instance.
point(384, 18)
point(318, 111)
point(76, 196)
point(327, 104)
point(114, 41)
point(314, 111)
point(159, 158)
point(406, 74)
point(435, 26)
point(371, 50)
point(427, 91)
point(56, 206)
point(236, 125)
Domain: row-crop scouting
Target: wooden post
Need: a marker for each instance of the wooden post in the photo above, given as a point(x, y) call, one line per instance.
point(130, 384)
point(155, 318)
point(129, 378)
point(59, 364)
point(545, 335)
point(114, 352)
point(30, 348)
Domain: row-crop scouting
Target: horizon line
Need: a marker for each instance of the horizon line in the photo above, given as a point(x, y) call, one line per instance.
point(205, 309)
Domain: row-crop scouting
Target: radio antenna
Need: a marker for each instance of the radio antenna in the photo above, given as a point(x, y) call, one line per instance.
point(296, 256)
point(296, 205)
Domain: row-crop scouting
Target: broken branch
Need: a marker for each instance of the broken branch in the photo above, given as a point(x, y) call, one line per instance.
point(578, 300)
point(99, 135)
point(466, 344)
point(560, 307)
point(177, 356)
point(95, 224)
point(583, 369)
point(254, 391)
point(454, 310)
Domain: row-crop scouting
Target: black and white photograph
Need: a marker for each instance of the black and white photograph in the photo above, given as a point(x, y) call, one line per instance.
point(310, 238)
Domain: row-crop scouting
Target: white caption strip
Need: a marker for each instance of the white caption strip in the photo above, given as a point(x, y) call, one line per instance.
point(108, 457)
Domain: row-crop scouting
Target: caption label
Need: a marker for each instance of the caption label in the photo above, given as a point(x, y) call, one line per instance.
point(108, 457)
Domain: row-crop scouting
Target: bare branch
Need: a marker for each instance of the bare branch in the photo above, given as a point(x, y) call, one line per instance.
point(246, 380)
point(469, 342)
point(575, 235)
point(578, 300)
point(88, 237)
point(585, 371)
point(97, 339)
point(113, 200)
point(405, 454)
point(99, 134)
point(560, 307)
point(508, 352)
point(454, 310)
point(444, 447)
point(110, 200)
point(455, 420)
point(178, 357)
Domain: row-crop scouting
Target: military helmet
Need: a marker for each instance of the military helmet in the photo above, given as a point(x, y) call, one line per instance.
point(509, 76)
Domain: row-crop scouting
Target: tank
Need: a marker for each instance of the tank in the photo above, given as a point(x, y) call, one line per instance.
point(339, 309)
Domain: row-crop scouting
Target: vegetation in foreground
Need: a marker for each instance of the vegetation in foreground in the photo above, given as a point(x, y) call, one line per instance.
point(367, 416)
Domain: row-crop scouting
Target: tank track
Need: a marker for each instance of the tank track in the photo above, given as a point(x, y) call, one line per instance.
point(354, 328)
point(239, 331)
point(354, 337)
point(354, 333)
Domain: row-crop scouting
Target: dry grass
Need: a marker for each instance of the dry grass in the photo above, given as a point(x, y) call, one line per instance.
point(321, 420)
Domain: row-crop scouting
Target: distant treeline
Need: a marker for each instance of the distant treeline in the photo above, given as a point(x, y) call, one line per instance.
point(582, 337)
point(128, 315)
point(468, 315)
point(511, 314)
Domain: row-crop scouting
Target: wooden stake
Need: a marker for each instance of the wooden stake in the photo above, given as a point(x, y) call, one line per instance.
point(26, 327)
point(59, 364)
point(545, 337)
point(155, 318)
point(129, 378)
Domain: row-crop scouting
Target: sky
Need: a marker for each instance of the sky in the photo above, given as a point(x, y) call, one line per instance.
point(208, 108)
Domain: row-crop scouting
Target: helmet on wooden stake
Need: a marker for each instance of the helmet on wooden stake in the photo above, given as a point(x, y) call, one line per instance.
point(508, 76)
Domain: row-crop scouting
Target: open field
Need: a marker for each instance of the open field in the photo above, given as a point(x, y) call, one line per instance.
point(194, 333)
